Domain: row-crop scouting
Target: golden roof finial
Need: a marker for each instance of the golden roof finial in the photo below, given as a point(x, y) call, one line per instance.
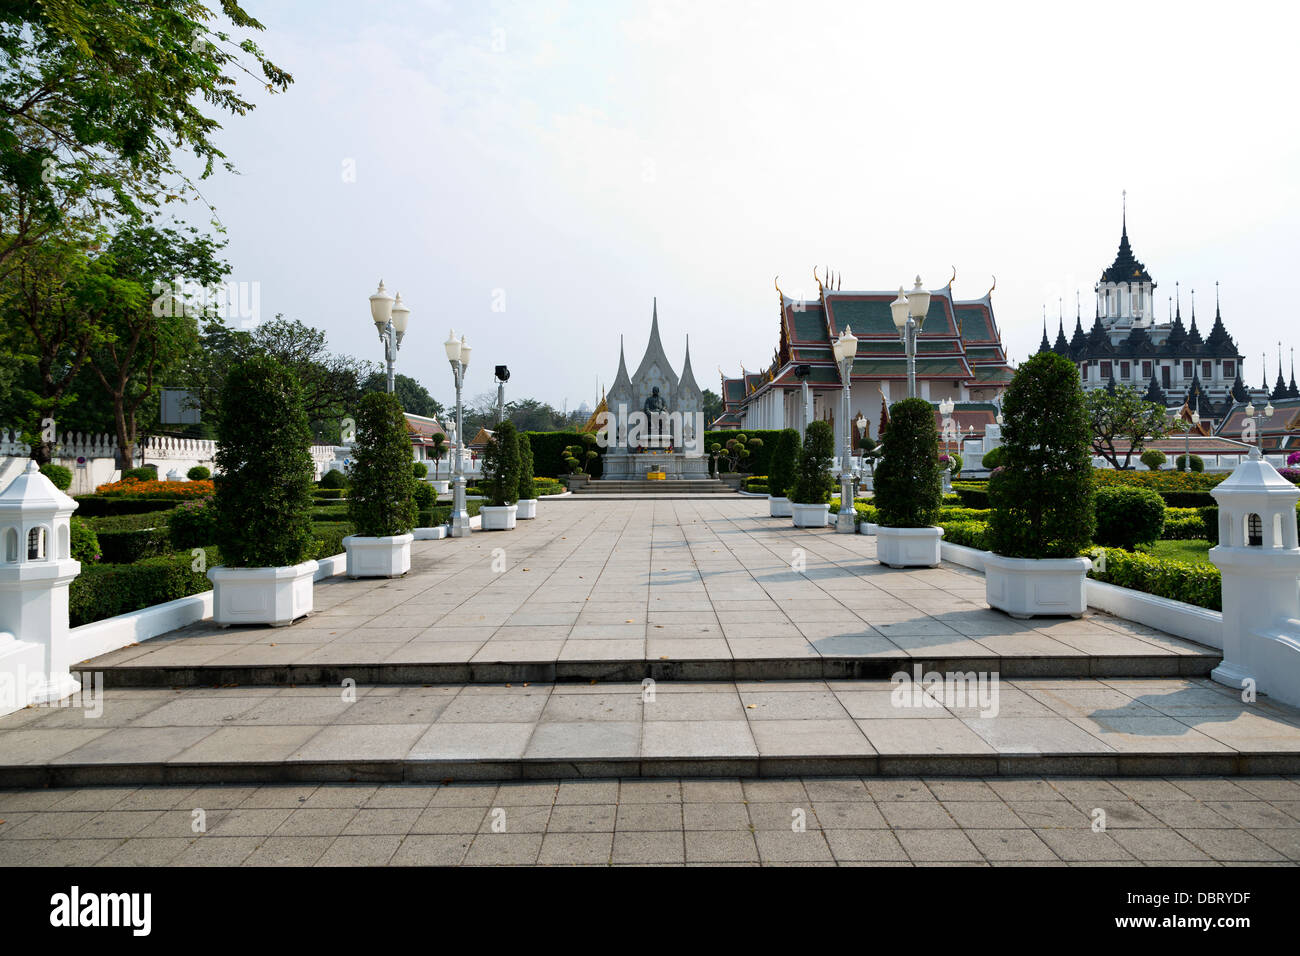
point(954, 277)
point(992, 287)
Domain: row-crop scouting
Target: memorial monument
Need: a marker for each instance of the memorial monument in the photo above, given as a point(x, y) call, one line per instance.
point(655, 420)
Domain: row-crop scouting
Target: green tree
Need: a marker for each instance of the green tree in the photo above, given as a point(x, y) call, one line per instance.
point(98, 98)
point(1123, 416)
point(814, 483)
point(501, 466)
point(415, 398)
point(909, 484)
point(527, 489)
point(785, 463)
point(711, 406)
point(381, 482)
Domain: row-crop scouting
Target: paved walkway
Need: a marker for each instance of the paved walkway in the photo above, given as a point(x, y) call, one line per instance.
point(796, 821)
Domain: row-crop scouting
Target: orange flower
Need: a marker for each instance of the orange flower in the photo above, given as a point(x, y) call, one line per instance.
point(157, 489)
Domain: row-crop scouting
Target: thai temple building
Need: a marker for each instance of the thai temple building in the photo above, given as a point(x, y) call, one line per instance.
point(960, 356)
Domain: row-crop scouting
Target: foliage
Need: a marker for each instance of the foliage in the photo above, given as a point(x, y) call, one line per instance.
point(1154, 458)
point(143, 473)
point(501, 466)
point(129, 546)
point(1183, 551)
point(992, 459)
point(1293, 458)
point(1198, 463)
point(334, 479)
point(552, 449)
point(1042, 495)
point(193, 525)
point(1122, 416)
point(1182, 529)
point(527, 486)
point(419, 470)
point(171, 490)
point(264, 481)
point(1197, 584)
point(423, 495)
point(813, 486)
point(737, 451)
point(59, 475)
point(1127, 517)
point(955, 463)
point(380, 499)
point(84, 542)
point(908, 485)
point(971, 534)
point(415, 398)
point(199, 473)
point(106, 590)
point(972, 495)
point(710, 405)
point(582, 457)
point(94, 506)
point(784, 463)
point(761, 456)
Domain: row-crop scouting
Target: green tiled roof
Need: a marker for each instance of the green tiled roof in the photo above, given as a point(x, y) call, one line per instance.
point(929, 368)
point(872, 316)
point(808, 326)
point(984, 354)
point(923, 346)
point(807, 353)
point(976, 323)
point(991, 373)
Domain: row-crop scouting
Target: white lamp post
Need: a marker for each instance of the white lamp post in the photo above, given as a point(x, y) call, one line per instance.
point(390, 316)
point(845, 349)
point(1259, 434)
point(1187, 441)
point(458, 355)
point(863, 425)
point(909, 311)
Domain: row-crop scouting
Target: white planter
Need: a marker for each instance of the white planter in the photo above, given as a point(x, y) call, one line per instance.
point(276, 596)
point(867, 527)
point(779, 507)
point(1024, 587)
point(809, 516)
point(527, 508)
point(498, 518)
point(385, 557)
point(440, 486)
point(908, 547)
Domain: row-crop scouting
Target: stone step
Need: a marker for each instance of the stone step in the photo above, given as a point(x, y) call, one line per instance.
point(683, 486)
point(1111, 727)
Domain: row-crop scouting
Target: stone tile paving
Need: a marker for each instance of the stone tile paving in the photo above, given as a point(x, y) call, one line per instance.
point(846, 821)
point(592, 580)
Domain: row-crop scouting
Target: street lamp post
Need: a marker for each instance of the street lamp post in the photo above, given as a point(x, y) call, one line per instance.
point(390, 316)
point(1259, 434)
point(909, 311)
point(845, 349)
point(862, 425)
point(502, 375)
point(1187, 441)
point(458, 355)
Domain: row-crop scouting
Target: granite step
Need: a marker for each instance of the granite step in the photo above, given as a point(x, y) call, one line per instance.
point(385, 733)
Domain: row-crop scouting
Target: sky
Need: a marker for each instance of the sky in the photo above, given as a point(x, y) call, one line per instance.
point(533, 174)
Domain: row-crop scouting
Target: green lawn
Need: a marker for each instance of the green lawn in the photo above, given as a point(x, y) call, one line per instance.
point(1195, 551)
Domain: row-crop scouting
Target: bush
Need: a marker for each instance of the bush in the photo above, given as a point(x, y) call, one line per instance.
point(527, 485)
point(547, 486)
point(263, 497)
point(419, 470)
point(380, 490)
point(501, 466)
point(762, 454)
point(909, 482)
point(1210, 521)
point(62, 477)
point(972, 534)
point(1197, 584)
point(130, 546)
point(198, 473)
point(813, 486)
point(85, 544)
point(335, 480)
point(993, 459)
point(550, 449)
point(328, 494)
point(1198, 463)
point(1127, 517)
point(1042, 496)
point(327, 538)
point(955, 463)
point(1154, 459)
point(973, 496)
point(423, 495)
point(143, 473)
point(193, 525)
point(95, 506)
point(1182, 529)
point(106, 590)
point(784, 463)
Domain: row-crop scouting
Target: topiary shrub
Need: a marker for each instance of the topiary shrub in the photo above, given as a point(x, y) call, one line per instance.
point(334, 479)
point(909, 479)
point(1127, 517)
point(60, 476)
point(527, 487)
point(380, 500)
point(785, 463)
point(143, 473)
point(501, 466)
point(423, 495)
point(1042, 495)
point(955, 464)
point(419, 469)
point(992, 459)
point(193, 525)
point(263, 489)
point(1198, 463)
point(198, 473)
point(85, 545)
point(813, 486)
point(1154, 458)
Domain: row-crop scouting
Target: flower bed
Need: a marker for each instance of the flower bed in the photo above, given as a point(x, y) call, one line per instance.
point(174, 490)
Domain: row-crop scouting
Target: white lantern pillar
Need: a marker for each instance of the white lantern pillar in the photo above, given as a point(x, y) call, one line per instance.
point(1259, 558)
point(36, 568)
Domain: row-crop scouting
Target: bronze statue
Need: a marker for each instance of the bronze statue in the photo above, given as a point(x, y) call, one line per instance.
point(654, 403)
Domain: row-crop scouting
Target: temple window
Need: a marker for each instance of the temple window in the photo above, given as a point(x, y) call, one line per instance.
point(36, 544)
point(1207, 370)
point(1146, 369)
point(1229, 368)
point(1254, 532)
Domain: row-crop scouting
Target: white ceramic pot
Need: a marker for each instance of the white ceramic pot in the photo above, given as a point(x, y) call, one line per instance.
point(809, 516)
point(779, 507)
point(498, 518)
point(908, 547)
point(385, 557)
point(527, 508)
point(440, 486)
point(1024, 587)
point(277, 596)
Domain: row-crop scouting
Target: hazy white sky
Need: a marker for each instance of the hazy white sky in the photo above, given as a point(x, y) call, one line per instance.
point(584, 157)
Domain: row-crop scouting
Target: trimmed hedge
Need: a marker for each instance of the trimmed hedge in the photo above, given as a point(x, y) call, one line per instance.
point(548, 453)
point(972, 534)
point(84, 542)
point(194, 525)
point(973, 496)
point(1198, 584)
point(329, 494)
point(333, 480)
point(784, 460)
point(106, 590)
point(760, 458)
point(1127, 517)
point(128, 547)
point(1183, 529)
point(199, 473)
point(527, 481)
point(908, 485)
point(813, 485)
point(95, 506)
